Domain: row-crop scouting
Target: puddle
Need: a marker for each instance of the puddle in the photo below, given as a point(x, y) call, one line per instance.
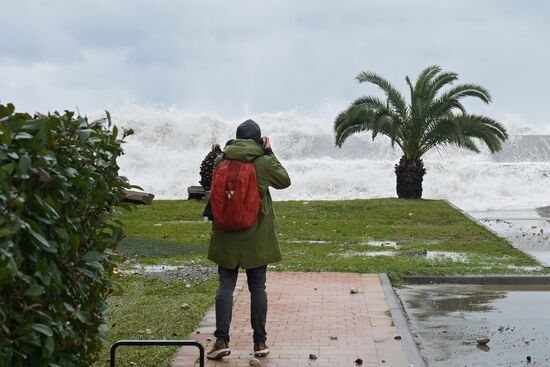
point(446, 255)
point(149, 269)
point(525, 268)
point(429, 255)
point(186, 222)
point(308, 241)
point(525, 229)
point(448, 319)
point(369, 253)
point(391, 244)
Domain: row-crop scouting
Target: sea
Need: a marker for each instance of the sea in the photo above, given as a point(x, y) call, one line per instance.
point(165, 153)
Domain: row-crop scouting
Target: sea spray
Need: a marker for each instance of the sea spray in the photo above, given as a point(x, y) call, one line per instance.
point(164, 157)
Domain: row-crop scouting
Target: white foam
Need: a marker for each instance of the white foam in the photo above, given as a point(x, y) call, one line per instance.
point(164, 157)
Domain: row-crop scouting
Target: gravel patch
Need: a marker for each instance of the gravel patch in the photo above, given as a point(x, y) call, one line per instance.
point(186, 273)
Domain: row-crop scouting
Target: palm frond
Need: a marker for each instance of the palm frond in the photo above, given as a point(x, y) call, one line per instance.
point(395, 98)
point(484, 128)
point(440, 81)
point(435, 118)
point(468, 90)
point(424, 79)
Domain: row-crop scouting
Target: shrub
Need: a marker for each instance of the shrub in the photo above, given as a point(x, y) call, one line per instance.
point(59, 187)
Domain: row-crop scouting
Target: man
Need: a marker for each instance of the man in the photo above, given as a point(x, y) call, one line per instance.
point(251, 249)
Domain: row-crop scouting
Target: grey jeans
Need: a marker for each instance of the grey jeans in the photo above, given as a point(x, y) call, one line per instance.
point(258, 302)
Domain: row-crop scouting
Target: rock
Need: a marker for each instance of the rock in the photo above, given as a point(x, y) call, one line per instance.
point(188, 285)
point(484, 348)
point(483, 340)
point(501, 328)
point(353, 290)
point(196, 192)
point(254, 362)
point(397, 337)
point(208, 339)
point(359, 361)
point(305, 203)
point(137, 197)
point(184, 306)
point(529, 359)
point(312, 356)
point(132, 363)
point(333, 337)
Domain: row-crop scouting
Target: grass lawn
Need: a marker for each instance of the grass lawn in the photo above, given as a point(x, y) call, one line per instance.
point(429, 237)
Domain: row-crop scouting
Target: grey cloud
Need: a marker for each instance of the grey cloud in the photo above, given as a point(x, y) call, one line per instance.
point(232, 57)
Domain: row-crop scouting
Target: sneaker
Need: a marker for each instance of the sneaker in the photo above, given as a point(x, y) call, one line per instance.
point(219, 350)
point(260, 350)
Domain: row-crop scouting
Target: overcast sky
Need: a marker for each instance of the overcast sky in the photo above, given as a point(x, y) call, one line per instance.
point(233, 57)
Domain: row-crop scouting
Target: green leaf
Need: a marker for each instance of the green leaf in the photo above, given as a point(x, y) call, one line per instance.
point(39, 238)
point(69, 307)
point(84, 134)
point(33, 124)
point(24, 164)
point(42, 329)
point(49, 346)
point(34, 290)
point(22, 135)
point(8, 168)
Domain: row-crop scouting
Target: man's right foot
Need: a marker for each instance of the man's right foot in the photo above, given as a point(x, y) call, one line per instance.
point(260, 350)
point(219, 350)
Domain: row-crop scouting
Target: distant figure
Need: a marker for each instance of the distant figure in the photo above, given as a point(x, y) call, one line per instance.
point(244, 230)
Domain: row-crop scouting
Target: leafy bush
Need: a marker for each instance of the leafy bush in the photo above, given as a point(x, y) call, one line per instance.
point(59, 187)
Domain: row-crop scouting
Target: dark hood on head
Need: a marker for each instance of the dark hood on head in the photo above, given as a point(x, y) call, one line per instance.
point(249, 130)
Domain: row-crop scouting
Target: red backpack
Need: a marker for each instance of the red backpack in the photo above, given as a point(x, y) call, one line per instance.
point(234, 195)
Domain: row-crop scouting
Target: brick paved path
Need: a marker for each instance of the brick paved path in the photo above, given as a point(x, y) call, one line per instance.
point(305, 311)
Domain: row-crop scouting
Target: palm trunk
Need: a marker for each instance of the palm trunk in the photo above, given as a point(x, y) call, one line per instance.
point(410, 174)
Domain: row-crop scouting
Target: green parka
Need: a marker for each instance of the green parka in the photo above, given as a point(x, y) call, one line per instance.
point(258, 245)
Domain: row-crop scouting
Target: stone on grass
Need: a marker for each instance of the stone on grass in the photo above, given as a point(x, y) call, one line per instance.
point(483, 340)
point(353, 290)
point(312, 356)
point(254, 362)
point(185, 306)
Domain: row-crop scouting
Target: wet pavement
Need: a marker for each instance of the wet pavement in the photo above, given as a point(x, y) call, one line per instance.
point(527, 230)
point(447, 319)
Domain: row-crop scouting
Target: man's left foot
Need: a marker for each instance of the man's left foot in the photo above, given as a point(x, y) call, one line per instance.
point(219, 350)
point(260, 350)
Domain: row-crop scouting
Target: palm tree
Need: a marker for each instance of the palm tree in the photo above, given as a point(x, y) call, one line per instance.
point(433, 118)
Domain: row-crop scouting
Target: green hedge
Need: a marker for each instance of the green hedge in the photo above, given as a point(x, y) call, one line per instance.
point(59, 187)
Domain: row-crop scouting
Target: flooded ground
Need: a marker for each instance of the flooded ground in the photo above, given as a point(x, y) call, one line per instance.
point(448, 319)
point(527, 230)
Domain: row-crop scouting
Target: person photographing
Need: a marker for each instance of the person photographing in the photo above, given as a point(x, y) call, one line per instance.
point(244, 229)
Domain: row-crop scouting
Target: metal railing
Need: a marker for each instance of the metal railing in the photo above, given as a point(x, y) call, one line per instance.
point(141, 343)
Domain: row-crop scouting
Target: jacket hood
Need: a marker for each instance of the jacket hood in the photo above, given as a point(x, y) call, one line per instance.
point(245, 150)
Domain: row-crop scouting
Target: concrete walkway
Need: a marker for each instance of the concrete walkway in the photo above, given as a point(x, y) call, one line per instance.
point(310, 313)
